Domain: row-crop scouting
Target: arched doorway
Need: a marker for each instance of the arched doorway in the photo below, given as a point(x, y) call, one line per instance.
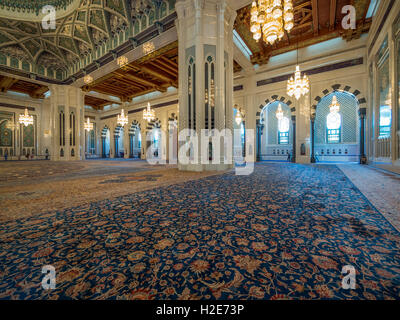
point(105, 142)
point(336, 128)
point(135, 141)
point(119, 142)
point(275, 137)
point(239, 136)
point(154, 146)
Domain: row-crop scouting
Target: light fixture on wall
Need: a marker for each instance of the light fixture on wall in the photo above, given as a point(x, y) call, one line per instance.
point(122, 61)
point(88, 79)
point(26, 119)
point(88, 125)
point(11, 125)
point(148, 113)
point(122, 119)
point(148, 47)
point(298, 87)
point(270, 18)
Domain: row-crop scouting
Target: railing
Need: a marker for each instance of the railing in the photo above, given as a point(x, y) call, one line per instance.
point(384, 147)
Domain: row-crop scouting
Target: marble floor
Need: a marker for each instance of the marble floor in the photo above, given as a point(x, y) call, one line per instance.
point(381, 188)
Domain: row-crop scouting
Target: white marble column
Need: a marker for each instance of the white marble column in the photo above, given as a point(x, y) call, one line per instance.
point(205, 28)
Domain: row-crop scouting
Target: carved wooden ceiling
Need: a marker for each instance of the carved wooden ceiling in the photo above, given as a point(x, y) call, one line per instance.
point(155, 72)
point(315, 21)
point(97, 103)
point(34, 90)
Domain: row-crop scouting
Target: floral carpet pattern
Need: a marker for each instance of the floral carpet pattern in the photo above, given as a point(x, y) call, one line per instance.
point(284, 232)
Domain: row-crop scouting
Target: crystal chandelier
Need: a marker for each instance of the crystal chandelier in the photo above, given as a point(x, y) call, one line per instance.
point(148, 47)
point(122, 119)
point(269, 19)
point(88, 125)
point(26, 119)
point(88, 79)
point(335, 106)
point(149, 114)
point(238, 117)
point(122, 61)
point(279, 112)
point(333, 119)
point(298, 87)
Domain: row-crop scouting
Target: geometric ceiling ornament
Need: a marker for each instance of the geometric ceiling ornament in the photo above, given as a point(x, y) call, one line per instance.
point(83, 28)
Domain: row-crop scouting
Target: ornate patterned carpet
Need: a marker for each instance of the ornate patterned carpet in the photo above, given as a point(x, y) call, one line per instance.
point(285, 232)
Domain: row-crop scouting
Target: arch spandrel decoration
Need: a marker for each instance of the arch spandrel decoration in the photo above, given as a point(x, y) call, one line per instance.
point(274, 98)
point(362, 102)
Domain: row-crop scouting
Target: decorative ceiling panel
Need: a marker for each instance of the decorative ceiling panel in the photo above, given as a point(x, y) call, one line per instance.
point(315, 21)
point(78, 36)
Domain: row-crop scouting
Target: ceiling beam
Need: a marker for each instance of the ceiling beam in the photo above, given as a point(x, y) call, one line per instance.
point(153, 72)
point(6, 83)
point(134, 78)
point(315, 16)
point(332, 18)
point(39, 92)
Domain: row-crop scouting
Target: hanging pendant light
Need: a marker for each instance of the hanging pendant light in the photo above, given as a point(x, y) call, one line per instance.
point(270, 18)
point(122, 119)
point(149, 114)
point(238, 117)
point(333, 119)
point(279, 112)
point(298, 87)
point(88, 79)
point(122, 61)
point(88, 125)
point(26, 119)
point(335, 106)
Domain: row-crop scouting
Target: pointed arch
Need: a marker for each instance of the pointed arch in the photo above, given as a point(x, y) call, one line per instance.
point(272, 99)
point(362, 102)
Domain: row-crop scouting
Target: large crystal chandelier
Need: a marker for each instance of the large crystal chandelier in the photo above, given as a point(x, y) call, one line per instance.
point(269, 19)
point(298, 87)
point(122, 119)
point(88, 125)
point(26, 119)
point(149, 114)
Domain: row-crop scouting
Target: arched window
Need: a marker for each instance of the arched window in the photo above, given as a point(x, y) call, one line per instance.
point(136, 27)
point(333, 127)
point(192, 94)
point(163, 10)
point(283, 130)
point(144, 22)
point(334, 122)
point(209, 85)
point(385, 91)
